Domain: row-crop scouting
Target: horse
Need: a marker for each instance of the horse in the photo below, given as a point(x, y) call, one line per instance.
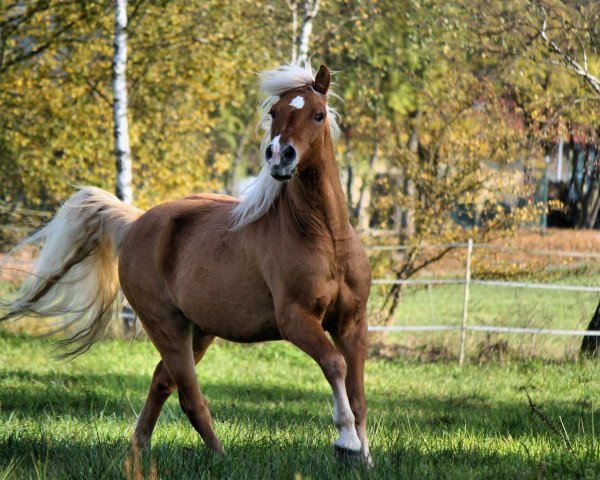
point(281, 263)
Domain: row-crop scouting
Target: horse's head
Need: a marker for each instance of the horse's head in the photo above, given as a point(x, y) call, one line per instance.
point(298, 127)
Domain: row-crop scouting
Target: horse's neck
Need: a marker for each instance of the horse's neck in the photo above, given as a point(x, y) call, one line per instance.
point(316, 201)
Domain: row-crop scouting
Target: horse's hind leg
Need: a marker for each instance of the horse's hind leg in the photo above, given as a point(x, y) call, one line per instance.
point(351, 339)
point(164, 383)
point(160, 389)
point(305, 331)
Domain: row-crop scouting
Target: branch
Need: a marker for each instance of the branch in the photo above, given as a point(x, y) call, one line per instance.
point(40, 49)
point(97, 91)
point(429, 261)
point(568, 61)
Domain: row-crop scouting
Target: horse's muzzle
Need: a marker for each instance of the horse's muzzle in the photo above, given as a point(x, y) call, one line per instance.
point(282, 162)
point(281, 174)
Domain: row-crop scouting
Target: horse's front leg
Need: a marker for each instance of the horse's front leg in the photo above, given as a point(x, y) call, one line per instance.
point(304, 330)
point(351, 339)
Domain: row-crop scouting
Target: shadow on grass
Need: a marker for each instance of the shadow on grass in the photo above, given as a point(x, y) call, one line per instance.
point(38, 397)
point(412, 436)
point(401, 460)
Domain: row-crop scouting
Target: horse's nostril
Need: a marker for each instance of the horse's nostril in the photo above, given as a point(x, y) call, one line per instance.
point(269, 152)
point(288, 154)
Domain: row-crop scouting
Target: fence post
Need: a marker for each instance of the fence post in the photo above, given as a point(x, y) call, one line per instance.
point(461, 355)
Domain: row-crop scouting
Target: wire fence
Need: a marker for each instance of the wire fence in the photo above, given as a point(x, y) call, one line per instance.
point(467, 282)
point(496, 283)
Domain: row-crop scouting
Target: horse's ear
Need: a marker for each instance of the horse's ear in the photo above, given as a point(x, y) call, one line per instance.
point(322, 80)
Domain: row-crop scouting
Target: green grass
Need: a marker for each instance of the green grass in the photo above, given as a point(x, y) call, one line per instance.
point(272, 411)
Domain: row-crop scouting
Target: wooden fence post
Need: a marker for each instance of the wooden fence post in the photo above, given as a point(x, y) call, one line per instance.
point(461, 355)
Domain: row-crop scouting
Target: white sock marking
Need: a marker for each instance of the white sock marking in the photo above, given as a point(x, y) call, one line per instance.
point(343, 418)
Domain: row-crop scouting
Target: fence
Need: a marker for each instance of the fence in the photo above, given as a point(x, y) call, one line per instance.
point(467, 281)
point(128, 316)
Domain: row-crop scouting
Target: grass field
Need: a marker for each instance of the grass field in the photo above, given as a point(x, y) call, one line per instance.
point(272, 410)
point(272, 407)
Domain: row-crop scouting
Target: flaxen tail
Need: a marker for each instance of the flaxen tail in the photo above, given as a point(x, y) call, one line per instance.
point(75, 276)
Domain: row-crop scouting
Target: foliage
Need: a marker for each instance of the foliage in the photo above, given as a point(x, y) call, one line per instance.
point(75, 419)
point(191, 93)
point(448, 107)
point(552, 47)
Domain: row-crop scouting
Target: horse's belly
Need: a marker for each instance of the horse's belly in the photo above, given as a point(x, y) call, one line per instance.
point(234, 312)
point(245, 325)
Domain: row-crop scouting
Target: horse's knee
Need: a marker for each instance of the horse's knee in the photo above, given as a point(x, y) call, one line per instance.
point(164, 387)
point(162, 384)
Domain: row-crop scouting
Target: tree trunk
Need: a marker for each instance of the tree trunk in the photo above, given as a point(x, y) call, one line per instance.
point(593, 218)
point(590, 347)
point(407, 225)
point(585, 191)
point(293, 6)
point(362, 203)
point(121, 130)
point(311, 8)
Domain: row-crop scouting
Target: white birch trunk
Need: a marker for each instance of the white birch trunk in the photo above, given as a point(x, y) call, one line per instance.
point(311, 8)
point(293, 6)
point(121, 129)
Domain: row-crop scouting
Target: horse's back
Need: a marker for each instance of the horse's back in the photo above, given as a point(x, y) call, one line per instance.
point(212, 197)
point(165, 226)
point(151, 247)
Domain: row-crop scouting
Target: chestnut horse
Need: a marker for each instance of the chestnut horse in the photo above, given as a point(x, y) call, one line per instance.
point(281, 263)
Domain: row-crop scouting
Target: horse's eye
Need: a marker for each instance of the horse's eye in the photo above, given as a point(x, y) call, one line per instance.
point(319, 117)
point(273, 114)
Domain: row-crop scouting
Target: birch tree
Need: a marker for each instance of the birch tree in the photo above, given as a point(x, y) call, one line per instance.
point(121, 128)
point(301, 42)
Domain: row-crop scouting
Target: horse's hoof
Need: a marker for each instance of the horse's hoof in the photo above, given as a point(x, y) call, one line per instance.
point(349, 457)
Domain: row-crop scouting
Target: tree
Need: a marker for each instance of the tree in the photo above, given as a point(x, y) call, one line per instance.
point(431, 119)
point(123, 186)
point(561, 42)
point(590, 346)
point(191, 97)
point(301, 43)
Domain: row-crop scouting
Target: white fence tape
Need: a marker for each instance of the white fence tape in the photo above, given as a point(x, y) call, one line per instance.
point(481, 328)
point(543, 286)
point(484, 246)
point(496, 283)
point(424, 281)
